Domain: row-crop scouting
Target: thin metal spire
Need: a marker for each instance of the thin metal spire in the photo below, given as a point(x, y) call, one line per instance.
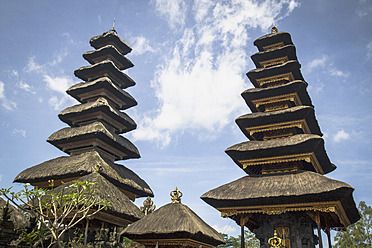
point(274, 29)
point(113, 26)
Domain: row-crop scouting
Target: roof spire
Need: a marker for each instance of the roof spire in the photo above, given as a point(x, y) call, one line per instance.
point(274, 29)
point(113, 26)
point(176, 196)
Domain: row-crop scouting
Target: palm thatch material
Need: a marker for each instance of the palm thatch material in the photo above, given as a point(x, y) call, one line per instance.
point(102, 87)
point(288, 52)
point(273, 38)
point(110, 38)
point(89, 137)
point(283, 189)
point(104, 68)
point(18, 219)
point(108, 52)
point(99, 110)
point(72, 167)
point(289, 67)
point(296, 88)
point(289, 115)
point(270, 149)
point(121, 206)
point(173, 221)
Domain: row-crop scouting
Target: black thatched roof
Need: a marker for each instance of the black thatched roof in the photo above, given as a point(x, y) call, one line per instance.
point(279, 189)
point(16, 216)
point(76, 135)
point(110, 38)
point(305, 113)
point(101, 88)
point(298, 87)
point(108, 52)
point(291, 66)
point(104, 68)
point(173, 221)
point(273, 38)
point(121, 205)
point(294, 145)
point(83, 164)
point(288, 51)
point(92, 111)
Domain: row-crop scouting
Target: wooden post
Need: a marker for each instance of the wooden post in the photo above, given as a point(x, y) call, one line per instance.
point(242, 241)
point(329, 236)
point(319, 230)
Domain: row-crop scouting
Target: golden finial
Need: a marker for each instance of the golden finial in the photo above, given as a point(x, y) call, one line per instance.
point(176, 196)
point(148, 206)
point(274, 29)
point(275, 242)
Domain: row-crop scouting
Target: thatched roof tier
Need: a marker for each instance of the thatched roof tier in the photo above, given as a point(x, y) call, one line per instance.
point(99, 110)
point(122, 210)
point(273, 41)
point(173, 221)
point(110, 38)
point(105, 69)
point(278, 193)
point(299, 120)
point(293, 93)
point(18, 219)
point(274, 57)
point(72, 167)
point(307, 148)
point(102, 87)
point(275, 75)
point(108, 52)
point(95, 136)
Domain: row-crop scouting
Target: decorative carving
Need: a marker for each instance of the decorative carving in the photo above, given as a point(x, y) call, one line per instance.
point(275, 242)
point(275, 80)
point(148, 206)
point(176, 196)
point(272, 62)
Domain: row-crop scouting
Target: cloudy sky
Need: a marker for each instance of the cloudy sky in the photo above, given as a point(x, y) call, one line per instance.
point(190, 62)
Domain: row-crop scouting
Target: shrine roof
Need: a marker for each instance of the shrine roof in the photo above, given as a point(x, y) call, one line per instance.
point(101, 104)
point(257, 119)
point(289, 67)
point(18, 219)
point(110, 38)
point(108, 52)
point(173, 221)
point(94, 89)
point(273, 38)
point(296, 87)
point(68, 167)
point(288, 51)
point(105, 68)
point(69, 136)
point(268, 151)
point(283, 189)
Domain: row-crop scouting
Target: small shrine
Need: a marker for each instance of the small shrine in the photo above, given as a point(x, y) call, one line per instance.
point(285, 190)
point(173, 225)
point(93, 139)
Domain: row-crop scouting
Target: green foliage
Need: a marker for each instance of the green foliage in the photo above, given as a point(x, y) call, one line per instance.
point(55, 211)
point(358, 235)
point(249, 239)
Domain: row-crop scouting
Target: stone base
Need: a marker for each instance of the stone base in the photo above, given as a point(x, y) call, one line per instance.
point(297, 229)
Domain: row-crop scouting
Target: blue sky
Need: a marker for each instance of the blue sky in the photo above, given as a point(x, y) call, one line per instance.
point(190, 62)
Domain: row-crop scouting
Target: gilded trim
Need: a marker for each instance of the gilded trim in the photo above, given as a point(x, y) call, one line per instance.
point(273, 46)
point(267, 80)
point(172, 242)
point(272, 62)
point(292, 97)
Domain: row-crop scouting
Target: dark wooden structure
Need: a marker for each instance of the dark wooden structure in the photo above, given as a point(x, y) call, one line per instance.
point(93, 139)
point(285, 190)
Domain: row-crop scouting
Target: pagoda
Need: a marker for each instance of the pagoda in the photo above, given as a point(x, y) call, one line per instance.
point(173, 226)
point(285, 191)
point(92, 140)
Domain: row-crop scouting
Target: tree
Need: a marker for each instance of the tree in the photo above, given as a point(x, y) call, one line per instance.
point(358, 235)
point(55, 211)
point(250, 241)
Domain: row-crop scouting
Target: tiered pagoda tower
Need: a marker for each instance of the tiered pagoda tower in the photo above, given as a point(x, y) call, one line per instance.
point(285, 190)
point(93, 139)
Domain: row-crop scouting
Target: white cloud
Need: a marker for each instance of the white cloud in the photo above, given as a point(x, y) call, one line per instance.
point(340, 136)
point(173, 11)
point(19, 132)
point(59, 85)
point(369, 50)
point(224, 229)
point(5, 102)
point(141, 45)
point(1, 177)
point(316, 63)
point(199, 83)
point(33, 66)
point(26, 87)
point(338, 73)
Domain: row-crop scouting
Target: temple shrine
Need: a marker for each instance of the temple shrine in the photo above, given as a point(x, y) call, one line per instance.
point(285, 191)
point(93, 141)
